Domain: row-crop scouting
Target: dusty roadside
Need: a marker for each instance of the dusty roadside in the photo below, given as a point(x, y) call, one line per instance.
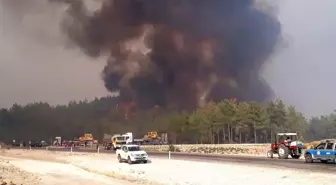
point(42, 168)
point(88, 168)
point(11, 175)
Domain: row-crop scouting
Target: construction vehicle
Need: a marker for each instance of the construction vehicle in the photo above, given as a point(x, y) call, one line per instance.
point(87, 139)
point(115, 141)
point(152, 138)
point(107, 141)
point(58, 141)
point(129, 137)
point(287, 146)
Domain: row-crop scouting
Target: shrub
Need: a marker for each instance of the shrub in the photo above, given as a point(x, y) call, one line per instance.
point(213, 149)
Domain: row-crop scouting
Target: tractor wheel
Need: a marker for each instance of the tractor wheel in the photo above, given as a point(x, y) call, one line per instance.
point(308, 158)
point(283, 152)
point(269, 154)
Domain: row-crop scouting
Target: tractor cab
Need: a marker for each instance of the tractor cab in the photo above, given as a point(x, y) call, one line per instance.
point(287, 138)
point(286, 144)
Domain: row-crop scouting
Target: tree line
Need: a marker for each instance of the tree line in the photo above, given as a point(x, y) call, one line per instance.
point(217, 122)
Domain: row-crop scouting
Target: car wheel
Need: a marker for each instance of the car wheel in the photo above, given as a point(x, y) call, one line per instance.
point(129, 160)
point(308, 158)
point(145, 161)
point(119, 158)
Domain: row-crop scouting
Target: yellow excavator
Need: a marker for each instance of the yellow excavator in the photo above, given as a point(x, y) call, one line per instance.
point(88, 138)
point(152, 136)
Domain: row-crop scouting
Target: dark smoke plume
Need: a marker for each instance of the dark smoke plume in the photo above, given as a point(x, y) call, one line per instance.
point(177, 52)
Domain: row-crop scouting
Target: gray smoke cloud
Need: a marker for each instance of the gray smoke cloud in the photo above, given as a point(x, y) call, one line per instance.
point(174, 53)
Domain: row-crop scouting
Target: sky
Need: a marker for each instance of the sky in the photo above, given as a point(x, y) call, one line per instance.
point(35, 65)
point(303, 74)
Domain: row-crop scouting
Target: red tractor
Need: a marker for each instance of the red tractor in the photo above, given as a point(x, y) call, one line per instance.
point(286, 145)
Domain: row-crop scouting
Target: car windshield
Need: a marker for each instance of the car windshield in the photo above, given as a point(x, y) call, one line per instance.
point(120, 138)
point(134, 148)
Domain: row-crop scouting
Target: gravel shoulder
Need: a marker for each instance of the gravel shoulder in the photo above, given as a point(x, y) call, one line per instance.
point(45, 168)
point(11, 175)
point(64, 167)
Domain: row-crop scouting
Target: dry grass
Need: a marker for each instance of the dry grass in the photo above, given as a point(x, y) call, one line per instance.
point(225, 149)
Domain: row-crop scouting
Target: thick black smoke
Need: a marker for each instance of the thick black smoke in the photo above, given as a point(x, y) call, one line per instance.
point(178, 52)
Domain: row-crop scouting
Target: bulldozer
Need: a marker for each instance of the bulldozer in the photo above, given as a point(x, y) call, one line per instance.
point(87, 139)
point(152, 137)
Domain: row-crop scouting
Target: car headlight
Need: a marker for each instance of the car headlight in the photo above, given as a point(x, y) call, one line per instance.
point(132, 155)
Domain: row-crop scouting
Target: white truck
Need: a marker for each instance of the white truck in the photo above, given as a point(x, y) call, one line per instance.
point(129, 137)
point(131, 154)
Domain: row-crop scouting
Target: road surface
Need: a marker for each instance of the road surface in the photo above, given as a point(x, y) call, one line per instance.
point(256, 161)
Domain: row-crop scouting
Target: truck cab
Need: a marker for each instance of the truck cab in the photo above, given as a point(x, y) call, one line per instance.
point(118, 141)
point(324, 152)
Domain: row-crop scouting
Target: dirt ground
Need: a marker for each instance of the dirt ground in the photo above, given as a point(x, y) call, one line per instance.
point(24, 167)
point(32, 167)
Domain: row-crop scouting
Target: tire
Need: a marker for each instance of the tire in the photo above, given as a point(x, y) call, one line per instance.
point(269, 154)
point(283, 152)
point(129, 161)
point(308, 158)
point(119, 158)
point(144, 161)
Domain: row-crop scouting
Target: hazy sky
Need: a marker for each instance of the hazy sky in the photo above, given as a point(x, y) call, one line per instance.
point(304, 73)
point(34, 66)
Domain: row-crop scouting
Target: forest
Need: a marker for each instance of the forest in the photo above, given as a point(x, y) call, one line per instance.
point(228, 121)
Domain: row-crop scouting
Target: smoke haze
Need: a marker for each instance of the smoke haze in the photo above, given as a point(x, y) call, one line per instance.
point(36, 62)
point(178, 53)
point(190, 54)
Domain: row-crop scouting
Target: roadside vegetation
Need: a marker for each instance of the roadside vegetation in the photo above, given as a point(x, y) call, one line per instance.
point(222, 122)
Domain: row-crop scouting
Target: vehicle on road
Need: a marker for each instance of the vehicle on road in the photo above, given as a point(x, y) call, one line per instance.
point(285, 145)
point(107, 141)
point(114, 141)
point(36, 145)
point(87, 139)
point(324, 152)
point(131, 154)
point(15, 143)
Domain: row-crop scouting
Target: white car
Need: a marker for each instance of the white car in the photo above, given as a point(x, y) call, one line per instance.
point(131, 154)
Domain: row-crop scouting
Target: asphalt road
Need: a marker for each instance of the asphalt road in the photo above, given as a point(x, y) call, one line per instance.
point(296, 164)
